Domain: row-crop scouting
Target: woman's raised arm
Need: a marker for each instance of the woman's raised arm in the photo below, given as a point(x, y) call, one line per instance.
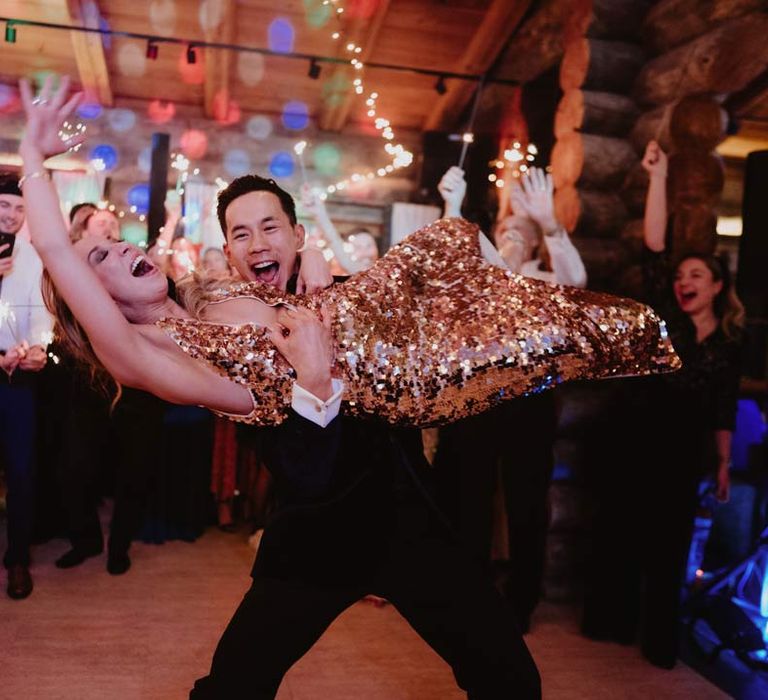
point(115, 340)
point(655, 220)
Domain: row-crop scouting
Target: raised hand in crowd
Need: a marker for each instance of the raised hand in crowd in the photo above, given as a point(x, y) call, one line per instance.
point(533, 196)
point(452, 188)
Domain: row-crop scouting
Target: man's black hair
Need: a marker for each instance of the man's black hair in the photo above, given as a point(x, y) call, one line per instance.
point(77, 207)
point(9, 184)
point(253, 183)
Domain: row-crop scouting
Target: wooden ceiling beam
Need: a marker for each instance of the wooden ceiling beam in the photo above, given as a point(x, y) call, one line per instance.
point(499, 23)
point(89, 51)
point(362, 32)
point(218, 63)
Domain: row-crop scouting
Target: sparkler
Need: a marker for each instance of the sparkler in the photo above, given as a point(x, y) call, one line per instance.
point(299, 151)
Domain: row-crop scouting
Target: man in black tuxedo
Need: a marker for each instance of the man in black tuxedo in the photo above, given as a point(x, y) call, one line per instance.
point(355, 517)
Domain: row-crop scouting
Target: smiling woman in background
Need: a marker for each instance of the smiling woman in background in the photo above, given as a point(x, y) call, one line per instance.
point(679, 427)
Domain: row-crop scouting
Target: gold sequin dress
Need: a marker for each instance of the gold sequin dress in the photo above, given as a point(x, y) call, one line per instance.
point(433, 333)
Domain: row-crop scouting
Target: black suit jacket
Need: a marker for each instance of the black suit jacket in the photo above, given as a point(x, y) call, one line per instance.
point(342, 491)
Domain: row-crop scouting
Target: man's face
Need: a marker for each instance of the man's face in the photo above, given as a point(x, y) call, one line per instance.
point(262, 244)
point(11, 213)
point(102, 224)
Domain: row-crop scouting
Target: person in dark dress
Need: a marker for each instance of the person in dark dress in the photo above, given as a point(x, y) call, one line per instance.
point(661, 435)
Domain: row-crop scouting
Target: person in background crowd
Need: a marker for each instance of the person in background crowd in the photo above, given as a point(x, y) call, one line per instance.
point(95, 223)
point(668, 433)
point(25, 331)
point(355, 254)
point(517, 438)
point(79, 212)
point(214, 264)
point(532, 241)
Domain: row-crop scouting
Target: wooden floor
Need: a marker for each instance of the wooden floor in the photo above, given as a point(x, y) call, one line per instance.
point(85, 635)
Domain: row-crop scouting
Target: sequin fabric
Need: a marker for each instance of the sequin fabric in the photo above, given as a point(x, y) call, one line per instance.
point(433, 333)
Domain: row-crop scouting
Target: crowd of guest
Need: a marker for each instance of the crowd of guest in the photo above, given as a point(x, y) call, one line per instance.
point(179, 470)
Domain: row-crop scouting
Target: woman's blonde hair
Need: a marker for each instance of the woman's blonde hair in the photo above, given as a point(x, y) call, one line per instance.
point(195, 291)
point(74, 340)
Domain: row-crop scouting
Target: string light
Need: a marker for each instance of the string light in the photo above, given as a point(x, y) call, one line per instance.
point(400, 157)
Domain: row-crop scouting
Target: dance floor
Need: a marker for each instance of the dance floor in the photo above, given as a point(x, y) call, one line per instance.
point(147, 635)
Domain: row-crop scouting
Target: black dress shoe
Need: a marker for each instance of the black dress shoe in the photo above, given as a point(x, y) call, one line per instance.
point(118, 563)
point(19, 582)
point(76, 556)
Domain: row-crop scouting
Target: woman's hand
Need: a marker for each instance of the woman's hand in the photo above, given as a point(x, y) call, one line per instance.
point(534, 197)
point(655, 160)
point(311, 201)
point(723, 490)
point(45, 115)
point(452, 188)
point(314, 272)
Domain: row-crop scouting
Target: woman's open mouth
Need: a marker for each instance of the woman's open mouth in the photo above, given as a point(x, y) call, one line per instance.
point(266, 271)
point(141, 266)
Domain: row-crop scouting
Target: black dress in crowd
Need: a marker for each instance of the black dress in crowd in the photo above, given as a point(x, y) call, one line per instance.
point(649, 451)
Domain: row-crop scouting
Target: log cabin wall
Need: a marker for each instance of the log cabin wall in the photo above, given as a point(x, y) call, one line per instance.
point(593, 158)
point(701, 52)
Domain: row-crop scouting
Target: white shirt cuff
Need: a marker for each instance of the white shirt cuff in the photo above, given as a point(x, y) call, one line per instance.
point(308, 406)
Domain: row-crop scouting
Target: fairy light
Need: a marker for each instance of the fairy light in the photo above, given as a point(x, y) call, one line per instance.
point(515, 163)
point(400, 157)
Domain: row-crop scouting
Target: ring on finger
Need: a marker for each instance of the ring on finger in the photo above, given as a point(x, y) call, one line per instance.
point(39, 101)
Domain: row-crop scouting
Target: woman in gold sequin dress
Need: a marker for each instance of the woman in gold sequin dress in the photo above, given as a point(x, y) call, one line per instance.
point(433, 332)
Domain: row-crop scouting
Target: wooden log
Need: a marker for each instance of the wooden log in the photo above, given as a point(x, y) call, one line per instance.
point(590, 212)
point(694, 178)
point(670, 23)
point(538, 44)
point(563, 565)
point(596, 64)
point(632, 236)
point(634, 189)
point(617, 19)
point(566, 507)
point(697, 122)
point(603, 258)
point(590, 112)
point(652, 126)
point(724, 60)
point(591, 161)
point(694, 229)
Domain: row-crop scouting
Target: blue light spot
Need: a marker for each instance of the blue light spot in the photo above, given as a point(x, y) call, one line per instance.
point(237, 162)
point(104, 153)
point(281, 164)
point(281, 35)
point(138, 196)
point(89, 110)
point(295, 115)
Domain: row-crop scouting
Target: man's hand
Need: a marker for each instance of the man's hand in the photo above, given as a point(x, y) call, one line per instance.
point(34, 359)
point(6, 264)
point(314, 272)
point(305, 341)
point(452, 188)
